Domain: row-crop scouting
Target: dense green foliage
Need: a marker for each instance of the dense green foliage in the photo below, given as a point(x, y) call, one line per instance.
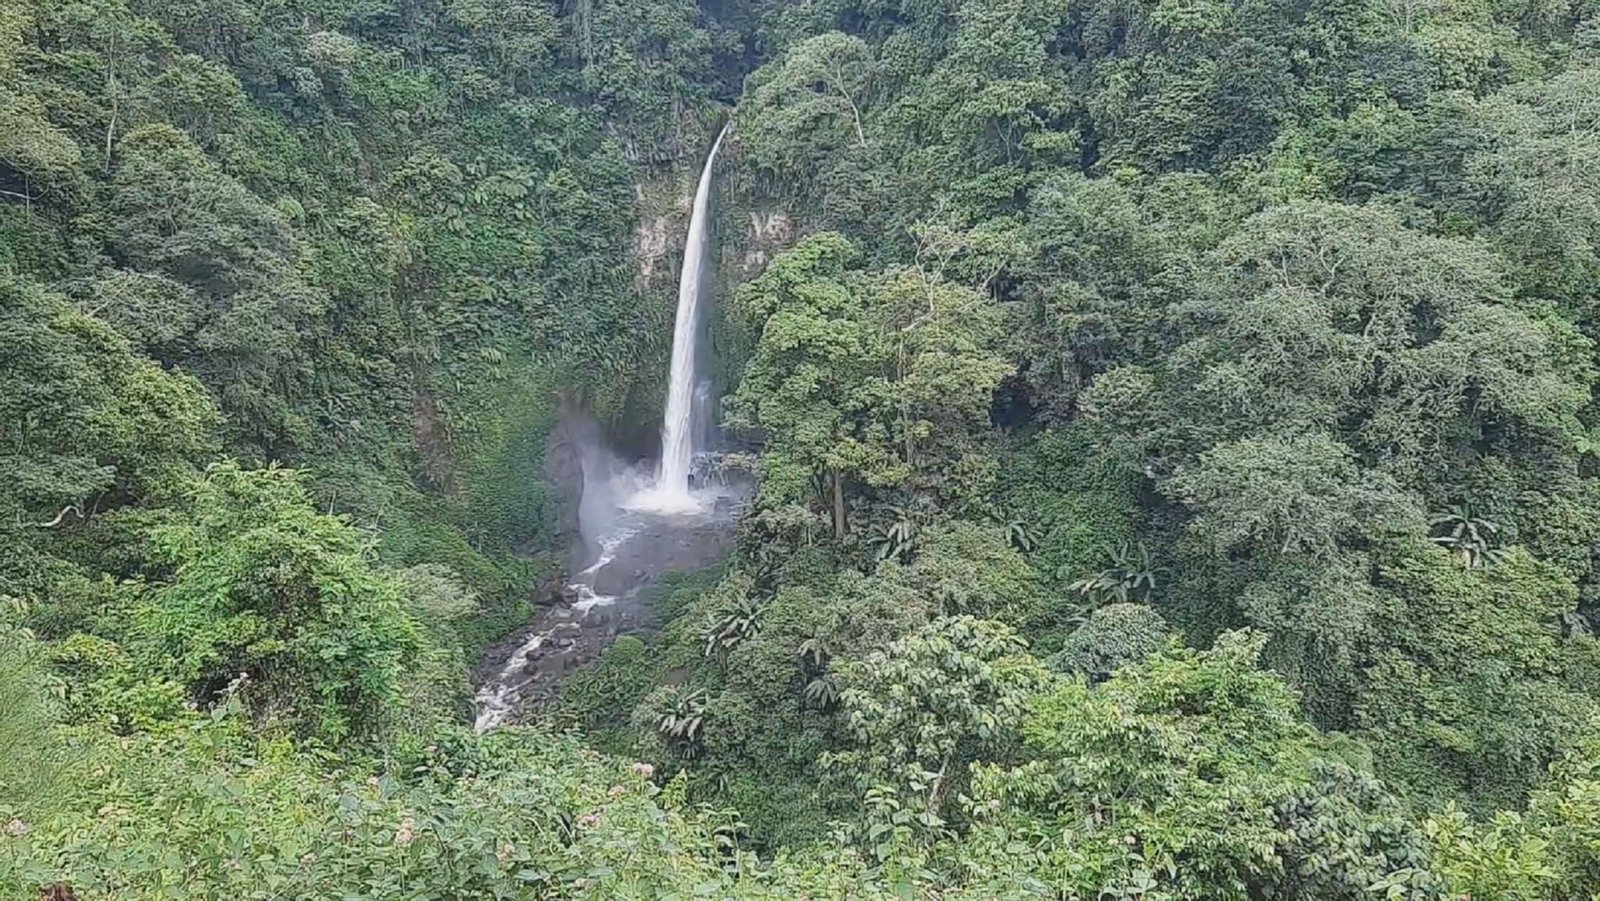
point(1178, 463)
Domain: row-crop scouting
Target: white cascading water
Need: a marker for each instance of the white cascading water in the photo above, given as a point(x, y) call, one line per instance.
point(671, 491)
point(497, 698)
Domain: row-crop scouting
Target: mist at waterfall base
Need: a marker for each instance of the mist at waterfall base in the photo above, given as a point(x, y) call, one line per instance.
point(634, 526)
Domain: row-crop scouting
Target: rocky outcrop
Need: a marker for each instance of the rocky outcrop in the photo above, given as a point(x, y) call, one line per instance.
point(769, 232)
point(575, 433)
point(666, 198)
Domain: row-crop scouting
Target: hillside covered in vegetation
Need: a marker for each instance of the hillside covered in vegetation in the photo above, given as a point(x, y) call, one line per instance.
point(1174, 424)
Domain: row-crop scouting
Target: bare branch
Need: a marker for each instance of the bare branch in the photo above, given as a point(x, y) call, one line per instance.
point(74, 509)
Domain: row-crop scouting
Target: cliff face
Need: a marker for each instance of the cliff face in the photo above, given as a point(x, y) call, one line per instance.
point(665, 196)
point(753, 229)
point(770, 231)
point(574, 434)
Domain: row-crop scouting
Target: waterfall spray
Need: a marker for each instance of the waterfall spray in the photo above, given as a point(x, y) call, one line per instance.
point(671, 490)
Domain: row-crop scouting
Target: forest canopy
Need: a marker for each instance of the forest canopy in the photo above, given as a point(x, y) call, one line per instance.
point(1174, 427)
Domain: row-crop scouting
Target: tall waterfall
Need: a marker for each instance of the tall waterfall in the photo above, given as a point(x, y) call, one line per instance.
point(671, 491)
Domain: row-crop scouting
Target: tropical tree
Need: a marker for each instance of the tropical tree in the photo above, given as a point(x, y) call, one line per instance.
point(1190, 775)
point(876, 379)
point(813, 387)
point(808, 106)
point(1469, 536)
point(1112, 637)
point(682, 723)
point(178, 214)
point(88, 423)
point(1130, 577)
point(1468, 691)
point(267, 592)
point(921, 709)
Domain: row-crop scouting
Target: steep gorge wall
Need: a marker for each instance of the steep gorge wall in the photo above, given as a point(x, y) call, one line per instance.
point(749, 230)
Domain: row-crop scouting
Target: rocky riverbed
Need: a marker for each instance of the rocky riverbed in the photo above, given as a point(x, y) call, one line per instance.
point(604, 600)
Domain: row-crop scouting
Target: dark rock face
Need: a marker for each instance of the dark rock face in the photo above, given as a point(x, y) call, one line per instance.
point(563, 461)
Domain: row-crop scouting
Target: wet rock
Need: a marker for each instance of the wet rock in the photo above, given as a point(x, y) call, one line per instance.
point(555, 592)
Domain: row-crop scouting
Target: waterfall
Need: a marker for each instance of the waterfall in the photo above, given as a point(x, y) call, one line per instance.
point(671, 491)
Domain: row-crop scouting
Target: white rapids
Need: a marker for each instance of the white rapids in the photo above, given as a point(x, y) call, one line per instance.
point(497, 698)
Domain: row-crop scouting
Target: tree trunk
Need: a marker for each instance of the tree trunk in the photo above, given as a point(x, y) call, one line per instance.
point(838, 506)
point(905, 402)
